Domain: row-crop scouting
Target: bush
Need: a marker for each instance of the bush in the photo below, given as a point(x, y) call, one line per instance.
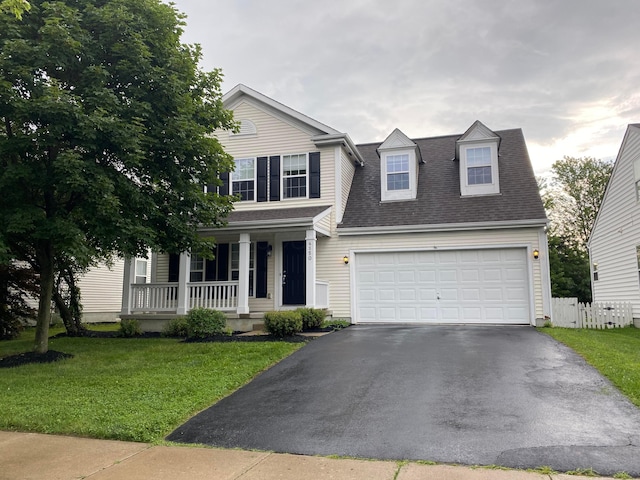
point(10, 326)
point(283, 324)
point(130, 328)
point(177, 327)
point(204, 322)
point(336, 324)
point(311, 317)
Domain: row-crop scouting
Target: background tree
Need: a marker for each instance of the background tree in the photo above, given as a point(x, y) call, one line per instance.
point(105, 142)
point(572, 199)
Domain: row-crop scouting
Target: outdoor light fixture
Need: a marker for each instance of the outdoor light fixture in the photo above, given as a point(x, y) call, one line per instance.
point(345, 259)
point(536, 253)
point(269, 249)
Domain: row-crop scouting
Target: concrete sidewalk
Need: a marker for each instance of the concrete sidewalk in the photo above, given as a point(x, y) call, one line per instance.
point(35, 456)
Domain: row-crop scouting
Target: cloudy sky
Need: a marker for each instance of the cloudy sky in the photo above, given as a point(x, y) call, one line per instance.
point(565, 71)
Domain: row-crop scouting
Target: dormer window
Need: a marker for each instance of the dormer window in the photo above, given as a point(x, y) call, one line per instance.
point(478, 165)
point(399, 159)
point(398, 172)
point(477, 151)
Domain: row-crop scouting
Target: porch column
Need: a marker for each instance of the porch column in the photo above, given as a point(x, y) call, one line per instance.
point(183, 277)
point(310, 259)
point(128, 276)
point(243, 274)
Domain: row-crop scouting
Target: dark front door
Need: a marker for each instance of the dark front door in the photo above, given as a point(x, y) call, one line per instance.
point(293, 273)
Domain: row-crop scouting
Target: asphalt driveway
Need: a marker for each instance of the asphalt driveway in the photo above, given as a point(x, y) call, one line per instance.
point(456, 394)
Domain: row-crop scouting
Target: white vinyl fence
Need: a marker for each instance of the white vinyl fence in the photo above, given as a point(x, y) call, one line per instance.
point(569, 313)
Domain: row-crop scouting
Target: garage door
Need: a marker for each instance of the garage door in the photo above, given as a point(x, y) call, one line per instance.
point(452, 286)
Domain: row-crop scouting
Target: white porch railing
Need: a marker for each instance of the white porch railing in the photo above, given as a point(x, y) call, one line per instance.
point(154, 297)
point(163, 297)
point(215, 295)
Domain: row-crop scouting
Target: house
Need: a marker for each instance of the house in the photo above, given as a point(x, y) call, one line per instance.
point(447, 229)
point(614, 245)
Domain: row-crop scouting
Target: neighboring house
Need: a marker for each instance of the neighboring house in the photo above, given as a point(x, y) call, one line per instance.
point(614, 245)
point(446, 229)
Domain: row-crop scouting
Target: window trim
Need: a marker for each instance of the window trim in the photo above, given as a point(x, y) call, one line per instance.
point(404, 194)
point(232, 181)
point(283, 177)
point(491, 188)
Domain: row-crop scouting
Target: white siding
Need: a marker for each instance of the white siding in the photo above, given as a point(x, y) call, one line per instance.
point(278, 137)
point(330, 266)
point(617, 231)
point(347, 171)
point(101, 289)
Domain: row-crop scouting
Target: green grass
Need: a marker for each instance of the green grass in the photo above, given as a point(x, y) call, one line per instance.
point(615, 353)
point(125, 388)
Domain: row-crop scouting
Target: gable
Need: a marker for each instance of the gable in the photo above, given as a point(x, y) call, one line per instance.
point(621, 199)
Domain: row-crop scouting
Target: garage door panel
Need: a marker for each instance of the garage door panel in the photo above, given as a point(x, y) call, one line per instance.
point(444, 286)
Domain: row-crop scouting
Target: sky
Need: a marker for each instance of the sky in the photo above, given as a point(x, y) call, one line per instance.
point(567, 72)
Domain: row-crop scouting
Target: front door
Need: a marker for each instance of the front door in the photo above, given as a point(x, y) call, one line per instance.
point(293, 273)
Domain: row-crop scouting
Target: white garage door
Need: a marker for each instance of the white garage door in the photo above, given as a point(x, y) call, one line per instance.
point(448, 286)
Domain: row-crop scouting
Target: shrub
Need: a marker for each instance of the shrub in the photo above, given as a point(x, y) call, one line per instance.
point(311, 317)
point(336, 324)
point(204, 322)
point(282, 324)
point(130, 328)
point(177, 327)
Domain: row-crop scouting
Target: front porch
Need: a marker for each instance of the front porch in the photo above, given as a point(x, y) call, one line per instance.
point(250, 273)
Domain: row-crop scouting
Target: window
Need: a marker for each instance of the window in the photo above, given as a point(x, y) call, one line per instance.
point(141, 270)
point(197, 268)
point(243, 178)
point(294, 176)
point(479, 165)
point(235, 265)
point(398, 172)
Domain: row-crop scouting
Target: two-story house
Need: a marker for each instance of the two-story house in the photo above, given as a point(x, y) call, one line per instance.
point(446, 229)
point(614, 244)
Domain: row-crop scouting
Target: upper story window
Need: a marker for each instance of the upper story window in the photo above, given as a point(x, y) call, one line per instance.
point(478, 165)
point(477, 151)
point(294, 176)
point(243, 178)
point(397, 172)
point(399, 160)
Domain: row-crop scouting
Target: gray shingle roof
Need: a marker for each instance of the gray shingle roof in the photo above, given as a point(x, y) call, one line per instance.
point(275, 214)
point(438, 199)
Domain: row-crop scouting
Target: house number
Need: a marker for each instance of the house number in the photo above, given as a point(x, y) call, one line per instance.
point(309, 252)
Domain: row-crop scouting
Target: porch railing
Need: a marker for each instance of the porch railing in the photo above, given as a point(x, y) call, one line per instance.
point(154, 297)
point(216, 295)
point(163, 297)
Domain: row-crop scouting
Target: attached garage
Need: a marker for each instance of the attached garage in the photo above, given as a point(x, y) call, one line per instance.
point(443, 286)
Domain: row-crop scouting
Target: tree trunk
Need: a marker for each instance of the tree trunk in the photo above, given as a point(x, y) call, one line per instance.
point(44, 256)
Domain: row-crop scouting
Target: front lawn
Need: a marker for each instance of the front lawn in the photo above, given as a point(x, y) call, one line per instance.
point(615, 353)
point(125, 388)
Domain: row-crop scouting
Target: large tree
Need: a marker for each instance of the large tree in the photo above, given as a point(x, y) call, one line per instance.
point(105, 142)
point(572, 199)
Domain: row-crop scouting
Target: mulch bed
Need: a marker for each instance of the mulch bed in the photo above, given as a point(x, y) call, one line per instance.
point(26, 358)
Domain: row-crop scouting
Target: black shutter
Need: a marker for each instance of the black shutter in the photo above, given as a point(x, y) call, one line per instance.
point(174, 267)
point(211, 187)
point(262, 255)
point(314, 175)
point(210, 268)
point(224, 188)
point(222, 259)
point(262, 179)
point(274, 178)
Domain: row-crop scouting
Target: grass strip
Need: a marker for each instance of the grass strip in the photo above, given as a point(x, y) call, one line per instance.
point(126, 388)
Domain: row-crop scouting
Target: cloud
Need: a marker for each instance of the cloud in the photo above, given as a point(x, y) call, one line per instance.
point(566, 72)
